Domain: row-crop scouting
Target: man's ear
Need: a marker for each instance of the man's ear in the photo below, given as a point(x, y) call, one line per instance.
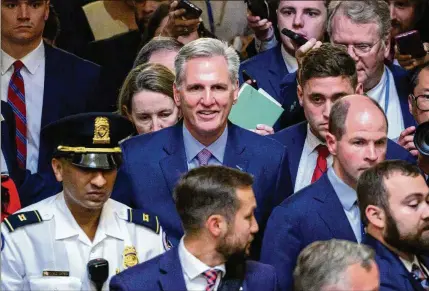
point(236, 90)
point(331, 143)
point(376, 216)
point(58, 167)
point(176, 93)
point(300, 94)
point(359, 89)
point(216, 225)
point(387, 45)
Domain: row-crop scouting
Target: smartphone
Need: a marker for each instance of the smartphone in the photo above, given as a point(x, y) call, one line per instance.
point(192, 11)
point(409, 43)
point(298, 39)
point(259, 8)
point(247, 77)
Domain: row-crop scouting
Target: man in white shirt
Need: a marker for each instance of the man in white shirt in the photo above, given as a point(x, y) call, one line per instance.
point(363, 28)
point(48, 245)
point(216, 205)
point(40, 82)
point(393, 199)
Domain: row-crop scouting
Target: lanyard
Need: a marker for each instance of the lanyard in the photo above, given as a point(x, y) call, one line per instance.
point(387, 94)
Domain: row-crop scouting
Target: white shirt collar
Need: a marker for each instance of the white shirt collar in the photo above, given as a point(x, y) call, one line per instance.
point(31, 61)
point(377, 92)
point(311, 140)
point(290, 61)
point(409, 265)
point(192, 266)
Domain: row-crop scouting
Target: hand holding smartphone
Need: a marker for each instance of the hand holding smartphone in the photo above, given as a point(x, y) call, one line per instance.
point(298, 39)
point(409, 43)
point(192, 11)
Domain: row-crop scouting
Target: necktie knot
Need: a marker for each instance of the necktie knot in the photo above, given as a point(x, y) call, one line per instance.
point(211, 276)
point(323, 151)
point(17, 66)
point(203, 157)
point(419, 276)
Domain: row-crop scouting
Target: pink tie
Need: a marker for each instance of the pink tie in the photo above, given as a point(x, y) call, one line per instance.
point(203, 157)
point(211, 276)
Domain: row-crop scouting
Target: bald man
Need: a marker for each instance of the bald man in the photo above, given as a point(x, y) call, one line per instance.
point(327, 209)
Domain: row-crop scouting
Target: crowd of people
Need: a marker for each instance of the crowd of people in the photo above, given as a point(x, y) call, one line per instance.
point(121, 171)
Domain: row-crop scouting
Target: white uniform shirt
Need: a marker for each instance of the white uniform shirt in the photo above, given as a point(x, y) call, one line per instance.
point(33, 74)
point(58, 244)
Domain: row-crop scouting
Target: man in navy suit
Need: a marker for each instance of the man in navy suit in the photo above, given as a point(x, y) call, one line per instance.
point(50, 83)
point(216, 205)
point(205, 89)
point(307, 18)
point(393, 199)
point(327, 73)
point(363, 29)
point(357, 140)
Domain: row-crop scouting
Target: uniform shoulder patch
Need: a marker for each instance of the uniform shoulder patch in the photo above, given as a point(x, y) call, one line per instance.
point(18, 220)
point(143, 218)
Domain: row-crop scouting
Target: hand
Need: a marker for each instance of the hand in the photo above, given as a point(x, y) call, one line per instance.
point(423, 163)
point(263, 129)
point(406, 140)
point(177, 25)
point(408, 62)
point(263, 28)
point(304, 49)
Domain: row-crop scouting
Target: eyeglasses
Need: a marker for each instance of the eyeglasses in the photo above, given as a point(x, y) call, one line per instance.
point(421, 101)
point(360, 48)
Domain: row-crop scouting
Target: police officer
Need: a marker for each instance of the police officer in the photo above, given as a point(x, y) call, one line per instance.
point(48, 245)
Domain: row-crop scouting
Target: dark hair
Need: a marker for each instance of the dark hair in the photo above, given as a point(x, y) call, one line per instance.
point(154, 45)
point(327, 61)
point(371, 189)
point(206, 191)
point(338, 116)
point(52, 26)
point(415, 77)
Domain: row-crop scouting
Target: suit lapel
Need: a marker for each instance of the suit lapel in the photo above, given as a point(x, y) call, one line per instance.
point(174, 165)
point(277, 70)
point(297, 145)
point(234, 156)
point(171, 273)
point(332, 212)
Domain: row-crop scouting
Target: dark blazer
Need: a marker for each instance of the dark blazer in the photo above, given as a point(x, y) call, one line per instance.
point(8, 144)
point(69, 88)
point(268, 69)
point(165, 273)
point(294, 138)
point(312, 214)
point(393, 274)
point(116, 57)
point(153, 163)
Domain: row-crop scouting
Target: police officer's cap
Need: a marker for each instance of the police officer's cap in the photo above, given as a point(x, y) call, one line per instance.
point(89, 140)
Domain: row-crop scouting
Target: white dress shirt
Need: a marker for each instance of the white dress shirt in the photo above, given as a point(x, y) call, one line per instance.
point(33, 74)
point(290, 61)
point(59, 244)
point(308, 160)
point(394, 112)
point(409, 265)
point(193, 269)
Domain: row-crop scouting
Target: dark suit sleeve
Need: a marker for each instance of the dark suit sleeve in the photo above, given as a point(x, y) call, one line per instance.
point(122, 190)
point(117, 284)
point(284, 186)
point(282, 245)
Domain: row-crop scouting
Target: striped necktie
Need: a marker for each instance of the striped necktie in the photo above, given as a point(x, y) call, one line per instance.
point(211, 276)
point(16, 98)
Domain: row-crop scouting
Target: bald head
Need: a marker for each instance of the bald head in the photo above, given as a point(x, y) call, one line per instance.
point(356, 109)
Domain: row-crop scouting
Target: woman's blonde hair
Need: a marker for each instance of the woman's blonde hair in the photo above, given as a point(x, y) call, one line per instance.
point(151, 77)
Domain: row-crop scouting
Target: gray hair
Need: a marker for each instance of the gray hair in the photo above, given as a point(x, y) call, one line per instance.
point(323, 263)
point(156, 44)
point(206, 48)
point(362, 12)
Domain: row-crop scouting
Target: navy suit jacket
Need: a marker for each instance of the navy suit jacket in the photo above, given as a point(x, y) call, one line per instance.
point(269, 70)
point(165, 273)
point(153, 164)
point(312, 214)
point(288, 92)
point(294, 138)
point(69, 88)
point(393, 274)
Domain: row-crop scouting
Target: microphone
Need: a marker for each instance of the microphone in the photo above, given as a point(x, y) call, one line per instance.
point(98, 272)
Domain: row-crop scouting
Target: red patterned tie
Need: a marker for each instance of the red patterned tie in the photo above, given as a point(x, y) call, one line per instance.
point(211, 276)
point(16, 98)
point(321, 164)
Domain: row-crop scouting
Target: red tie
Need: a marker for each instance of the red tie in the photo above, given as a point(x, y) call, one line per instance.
point(16, 98)
point(211, 276)
point(321, 164)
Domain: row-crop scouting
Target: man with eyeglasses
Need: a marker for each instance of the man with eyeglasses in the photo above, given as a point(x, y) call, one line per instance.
point(363, 28)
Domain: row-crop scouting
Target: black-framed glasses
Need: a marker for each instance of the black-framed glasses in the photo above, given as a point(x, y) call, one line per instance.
point(421, 101)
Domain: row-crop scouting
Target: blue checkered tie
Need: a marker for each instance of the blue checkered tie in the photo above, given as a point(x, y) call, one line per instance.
point(420, 276)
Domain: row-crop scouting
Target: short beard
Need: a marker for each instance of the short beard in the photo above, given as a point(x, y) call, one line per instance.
point(411, 243)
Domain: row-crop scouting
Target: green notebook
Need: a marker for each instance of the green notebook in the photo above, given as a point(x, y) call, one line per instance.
point(254, 107)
